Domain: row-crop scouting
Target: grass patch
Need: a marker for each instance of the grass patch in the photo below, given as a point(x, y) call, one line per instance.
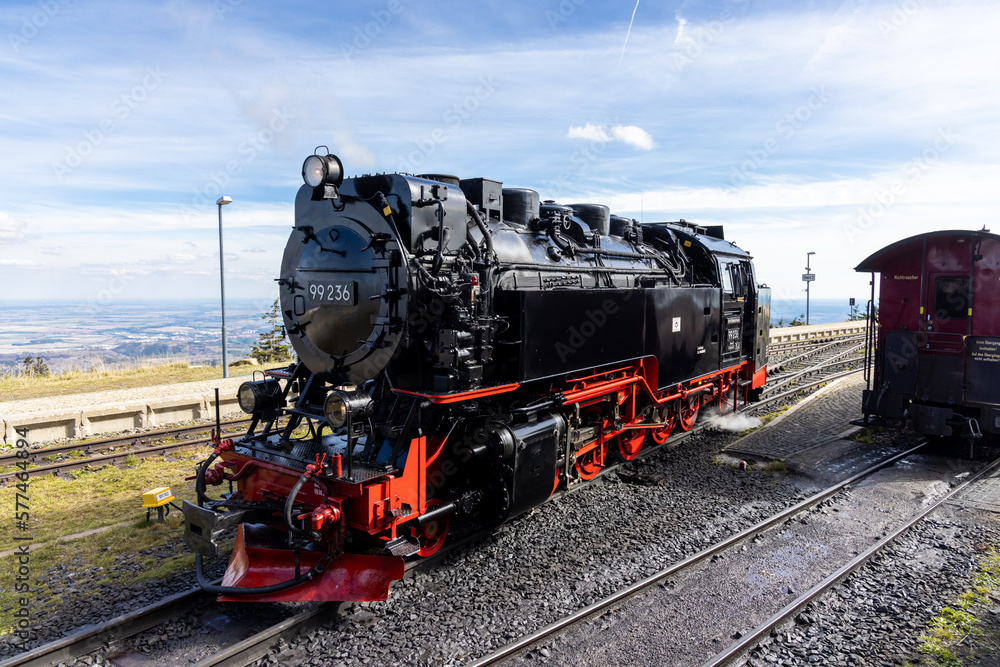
point(954, 625)
point(948, 628)
point(771, 416)
point(94, 499)
point(776, 467)
point(101, 497)
point(865, 437)
point(103, 555)
point(74, 382)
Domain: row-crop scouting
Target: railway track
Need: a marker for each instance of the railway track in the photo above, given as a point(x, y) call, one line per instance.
point(117, 630)
point(792, 346)
point(791, 372)
point(113, 634)
point(61, 459)
point(740, 648)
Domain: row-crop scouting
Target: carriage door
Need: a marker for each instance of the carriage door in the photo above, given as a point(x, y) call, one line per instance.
point(947, 311)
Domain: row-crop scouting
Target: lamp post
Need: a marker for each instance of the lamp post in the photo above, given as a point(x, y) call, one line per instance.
point(808, 277)
point(222, 201)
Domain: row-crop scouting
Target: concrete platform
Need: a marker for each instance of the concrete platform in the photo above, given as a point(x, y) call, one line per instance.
point(790, 334)
point(820, 419)
point(982, 495)
point(104, 412)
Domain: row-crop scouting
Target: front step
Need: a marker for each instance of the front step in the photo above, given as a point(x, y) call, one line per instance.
point(402, 546)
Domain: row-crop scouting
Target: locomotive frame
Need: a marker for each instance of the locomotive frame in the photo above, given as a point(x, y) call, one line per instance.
point(464, 350)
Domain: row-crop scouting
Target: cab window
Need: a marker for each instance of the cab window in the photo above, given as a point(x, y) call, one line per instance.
point(727, 278)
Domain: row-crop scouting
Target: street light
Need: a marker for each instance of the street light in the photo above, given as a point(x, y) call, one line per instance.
point(808, 277)
point(222, 201)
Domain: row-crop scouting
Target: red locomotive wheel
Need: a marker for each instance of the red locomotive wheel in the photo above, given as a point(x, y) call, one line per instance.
point(630, 444)
point(689, 411)
point(660, 435)
point(589, 464)
point(432, 534)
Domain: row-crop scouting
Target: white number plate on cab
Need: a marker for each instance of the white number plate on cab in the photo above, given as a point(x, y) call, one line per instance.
point(334, 293)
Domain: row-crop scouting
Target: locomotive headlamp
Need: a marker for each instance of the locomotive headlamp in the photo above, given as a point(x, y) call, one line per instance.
point(342, 403)
point(259, 395)
point(321, 170)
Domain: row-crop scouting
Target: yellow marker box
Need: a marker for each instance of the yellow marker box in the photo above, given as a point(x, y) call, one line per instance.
point(157, 497)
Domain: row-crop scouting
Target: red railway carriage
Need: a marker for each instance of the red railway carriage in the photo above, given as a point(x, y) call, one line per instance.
point(933, 362)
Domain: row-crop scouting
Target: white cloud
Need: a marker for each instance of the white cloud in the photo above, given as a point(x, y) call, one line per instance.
point(632, 135)
point(11, 229)
point(589, 132)
point(180, 258)
point(141, 193)
point(681, 24)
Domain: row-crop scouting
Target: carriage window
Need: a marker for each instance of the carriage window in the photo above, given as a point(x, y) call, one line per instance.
point(951, 298)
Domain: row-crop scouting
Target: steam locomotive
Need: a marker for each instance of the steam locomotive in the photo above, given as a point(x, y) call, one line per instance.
point(464, 350)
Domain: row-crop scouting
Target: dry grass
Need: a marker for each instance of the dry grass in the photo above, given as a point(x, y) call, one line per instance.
point(94, 499)
point(97, 498)
point(101, 555)
point(74, 382)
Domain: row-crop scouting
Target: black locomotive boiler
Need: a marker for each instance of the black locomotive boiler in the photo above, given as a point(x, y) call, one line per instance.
point(464, 350)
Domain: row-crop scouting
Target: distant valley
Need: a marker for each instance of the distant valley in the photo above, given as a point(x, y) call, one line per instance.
point(83, 336)
point(75, 335)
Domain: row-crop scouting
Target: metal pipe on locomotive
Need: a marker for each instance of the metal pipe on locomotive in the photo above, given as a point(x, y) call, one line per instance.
point(464, 350)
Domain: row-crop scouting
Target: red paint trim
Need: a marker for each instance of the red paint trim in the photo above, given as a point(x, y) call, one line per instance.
point(348, 577)
point(678, 393)
point(759, 378)
point(579, 395)
point(443, 399)
point(437, 452)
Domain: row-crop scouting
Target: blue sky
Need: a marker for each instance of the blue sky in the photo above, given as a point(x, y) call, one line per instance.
point(800, 126)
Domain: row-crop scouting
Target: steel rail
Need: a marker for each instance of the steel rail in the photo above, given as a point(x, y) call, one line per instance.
point(257, 645)
point(642, 584)
point(120, 627)
point(134, 440)
point(746, 642)
point(812, 352)
point(115, 457)
point(140, 620)
point(797, 344)
point(102, 460)
point(783, 380)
